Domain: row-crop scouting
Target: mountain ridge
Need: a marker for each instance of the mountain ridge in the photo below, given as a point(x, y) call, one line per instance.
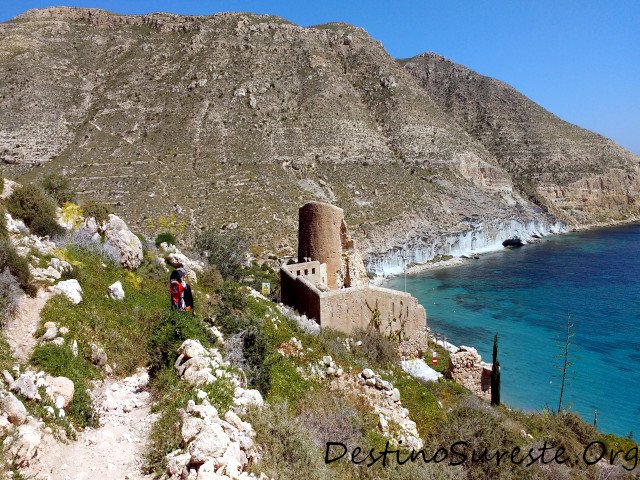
point(242, 118)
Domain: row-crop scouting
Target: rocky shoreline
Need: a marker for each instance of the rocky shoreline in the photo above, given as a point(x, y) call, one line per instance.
point(438, 262)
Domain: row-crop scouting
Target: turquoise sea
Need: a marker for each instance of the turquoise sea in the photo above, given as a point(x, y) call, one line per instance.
point(525, 295)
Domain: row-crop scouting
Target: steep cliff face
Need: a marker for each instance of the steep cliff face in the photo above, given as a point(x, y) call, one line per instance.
point(577, 174)
point(243, 118)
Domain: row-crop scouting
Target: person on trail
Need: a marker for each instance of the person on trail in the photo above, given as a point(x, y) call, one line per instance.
point(176, 290)
point(187, 295)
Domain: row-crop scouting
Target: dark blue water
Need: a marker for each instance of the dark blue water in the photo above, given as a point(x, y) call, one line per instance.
point(525, 295)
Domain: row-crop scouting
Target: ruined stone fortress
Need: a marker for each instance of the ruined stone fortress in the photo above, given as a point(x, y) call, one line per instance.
point(330, 283)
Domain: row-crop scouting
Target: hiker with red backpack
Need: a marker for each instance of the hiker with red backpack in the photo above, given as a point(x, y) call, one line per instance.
point(180, 291)
point(176, 290)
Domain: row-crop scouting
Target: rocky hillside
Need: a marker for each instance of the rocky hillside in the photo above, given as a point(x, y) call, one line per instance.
point(238, 118)
point(100, 379)
point(578, 174)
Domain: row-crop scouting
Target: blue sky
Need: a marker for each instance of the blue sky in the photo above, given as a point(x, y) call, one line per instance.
point(578, 59)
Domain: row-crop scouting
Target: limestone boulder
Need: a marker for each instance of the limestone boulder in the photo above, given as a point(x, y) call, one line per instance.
point(60, 387)
point(70, 289)
point(128, 246)
point(22, 446)
point(15, 226)
point(211, 442)
point(116, 292)
point(61, 266)
point(246, 397)
point(191, 427)
point(26, 385)
point(177, 463)
point(14, 409)
point(191, 349)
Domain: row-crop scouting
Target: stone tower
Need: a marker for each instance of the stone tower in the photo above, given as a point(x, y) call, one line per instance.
point(319, 237)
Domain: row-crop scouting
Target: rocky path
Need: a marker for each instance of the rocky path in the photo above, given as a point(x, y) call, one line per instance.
point(21, 328)
point(115, 450)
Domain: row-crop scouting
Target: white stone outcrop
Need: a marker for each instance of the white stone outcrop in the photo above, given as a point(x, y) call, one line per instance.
point(118, 239)
point(13, 409)
point(53, 271)
point(71, 289)
point(23, 245)
point(15, 226)
point(215, 446)
point(177, 259)
point(123, 240)
point(22, 446)
point(385, 400)
point(27, 385)
point(199, 366)
point(116, 292)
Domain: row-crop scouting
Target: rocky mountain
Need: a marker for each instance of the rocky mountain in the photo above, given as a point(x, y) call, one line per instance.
point(239, 118)
point(580, 175)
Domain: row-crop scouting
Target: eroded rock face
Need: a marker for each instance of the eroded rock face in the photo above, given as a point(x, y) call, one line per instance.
point(467, 368)
point(413, 176)
point(119, 240)
point(580, 175)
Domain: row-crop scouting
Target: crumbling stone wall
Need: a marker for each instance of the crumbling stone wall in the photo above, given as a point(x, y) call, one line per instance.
point(467, 368)
point(299, 293)
point(315, 272)
point(330, 284)
point(400, 315)
point(395, 314)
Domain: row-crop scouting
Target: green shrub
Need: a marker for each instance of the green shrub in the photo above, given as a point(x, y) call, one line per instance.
point(212, 279)
point(331, 418)
point(97, 210)
point(165, 237)
point(58, 188)
point(248, 348)
point(31, 204)
point(169, 331)
point(9, 295)
point(376, 347)
point(123, 327)
point(3, 224)
point(288, 447)
point(18, 266)
point(224, 250)
point(231, 297)
point(6, 356)
point(60, 361)
point(150, 268)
